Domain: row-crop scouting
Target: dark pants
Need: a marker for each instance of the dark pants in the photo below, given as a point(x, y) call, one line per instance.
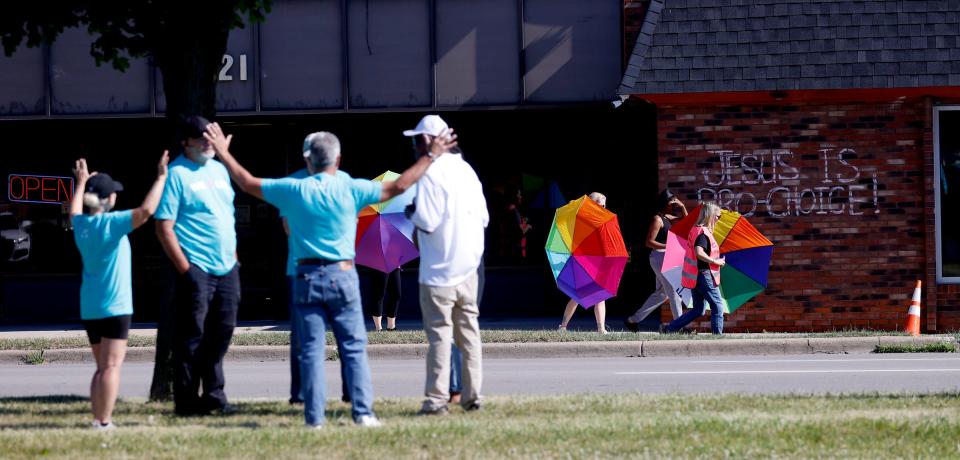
point(296, 395)
point(205, 314)
point(386, 291)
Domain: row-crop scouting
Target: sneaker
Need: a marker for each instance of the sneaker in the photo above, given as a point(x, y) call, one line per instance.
point(631, 326)
point(295, 401)
point(562, 328)
point(314, 427)
point(663, 328)
point(369, 421)
point(345, 398)
point(474, 406)
point(97, 426)
point(442, 410)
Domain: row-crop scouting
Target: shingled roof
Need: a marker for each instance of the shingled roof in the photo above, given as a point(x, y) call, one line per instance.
point(690, 46)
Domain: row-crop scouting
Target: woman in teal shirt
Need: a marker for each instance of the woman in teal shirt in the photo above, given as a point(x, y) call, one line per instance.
point(106, 298)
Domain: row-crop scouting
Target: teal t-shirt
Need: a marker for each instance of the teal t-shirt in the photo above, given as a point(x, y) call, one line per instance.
point(321, 212)
point(106, 288)
point(291, 262)
point(199, 198)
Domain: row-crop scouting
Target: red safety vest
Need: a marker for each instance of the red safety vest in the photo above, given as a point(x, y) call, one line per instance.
point(689, 277)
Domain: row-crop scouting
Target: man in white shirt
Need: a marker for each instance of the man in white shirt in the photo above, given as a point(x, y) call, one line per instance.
point(450, 214)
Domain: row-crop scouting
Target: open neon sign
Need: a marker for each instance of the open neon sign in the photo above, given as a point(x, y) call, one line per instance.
point(26, 188)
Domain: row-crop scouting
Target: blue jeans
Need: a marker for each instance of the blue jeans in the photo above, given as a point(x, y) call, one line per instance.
point(295, 394)
point(706, 290)
point(322, 295)
point(455, 370)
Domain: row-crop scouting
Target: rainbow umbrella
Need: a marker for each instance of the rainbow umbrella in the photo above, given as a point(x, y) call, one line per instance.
point(745, 249)
point(586, 251)
point(384, 234)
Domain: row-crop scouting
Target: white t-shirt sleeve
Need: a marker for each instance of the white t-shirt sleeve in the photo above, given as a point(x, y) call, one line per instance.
point(431, 205)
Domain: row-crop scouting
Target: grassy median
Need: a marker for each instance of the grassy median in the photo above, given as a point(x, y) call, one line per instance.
point(401, 337)
point(573, 426)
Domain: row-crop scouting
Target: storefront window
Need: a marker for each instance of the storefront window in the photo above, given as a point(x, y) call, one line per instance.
point(947, 164)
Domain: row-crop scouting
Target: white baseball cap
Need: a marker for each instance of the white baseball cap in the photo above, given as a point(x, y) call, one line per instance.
point(431, 125)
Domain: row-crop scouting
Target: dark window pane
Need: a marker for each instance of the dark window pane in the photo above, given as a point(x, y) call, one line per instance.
point(389, 53)
point(949, 153)
point(78, 86)
point(478, 52)
point(235, 87)
point(572, 50)
point(300, 46)
point(21, 82)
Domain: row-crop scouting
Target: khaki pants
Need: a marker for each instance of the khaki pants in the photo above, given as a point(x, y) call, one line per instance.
point(450, 315)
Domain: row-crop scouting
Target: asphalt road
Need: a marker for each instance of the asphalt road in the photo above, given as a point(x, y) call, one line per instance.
point(918, 373)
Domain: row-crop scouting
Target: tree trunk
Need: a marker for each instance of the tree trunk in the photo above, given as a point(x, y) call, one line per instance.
point(189, 63)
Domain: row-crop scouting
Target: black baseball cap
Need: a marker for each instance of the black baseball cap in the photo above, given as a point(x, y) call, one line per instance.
point(103, 185)
point(193, 127)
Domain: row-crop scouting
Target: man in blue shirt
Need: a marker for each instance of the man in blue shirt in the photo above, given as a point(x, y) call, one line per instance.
point(296, 396)
point(195, 225)
point(321, 212)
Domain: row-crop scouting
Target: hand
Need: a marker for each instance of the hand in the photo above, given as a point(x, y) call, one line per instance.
point(720, 262)
point(80, 170)
point(183, 269)
point(219, 142)
point(162, 165)
point(442, 143)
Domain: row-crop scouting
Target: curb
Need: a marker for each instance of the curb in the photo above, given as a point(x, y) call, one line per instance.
point(611, 349)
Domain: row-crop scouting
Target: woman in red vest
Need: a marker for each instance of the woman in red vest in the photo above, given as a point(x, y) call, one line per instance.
point(701, 272)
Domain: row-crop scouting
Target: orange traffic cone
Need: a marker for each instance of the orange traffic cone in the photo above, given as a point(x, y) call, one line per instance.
point(913, 315)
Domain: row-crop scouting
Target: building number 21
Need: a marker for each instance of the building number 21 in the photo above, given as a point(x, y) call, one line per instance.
point(225, 74)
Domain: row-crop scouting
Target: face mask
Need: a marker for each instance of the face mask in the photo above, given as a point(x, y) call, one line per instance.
point(207, 156)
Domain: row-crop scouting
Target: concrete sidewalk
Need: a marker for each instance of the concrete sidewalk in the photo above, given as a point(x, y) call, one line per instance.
point(610, 349)
point(51, 331)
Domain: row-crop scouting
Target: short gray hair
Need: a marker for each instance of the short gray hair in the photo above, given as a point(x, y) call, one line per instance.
point(324, 150)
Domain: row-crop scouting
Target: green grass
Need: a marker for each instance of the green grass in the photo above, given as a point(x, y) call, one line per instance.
point(407, 337)
point(35, 357)
point(576, 426)
point(925, 348)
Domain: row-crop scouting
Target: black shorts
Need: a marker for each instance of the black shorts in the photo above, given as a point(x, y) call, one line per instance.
point(113, 327)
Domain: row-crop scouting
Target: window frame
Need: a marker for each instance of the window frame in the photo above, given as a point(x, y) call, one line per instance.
point(941, 279)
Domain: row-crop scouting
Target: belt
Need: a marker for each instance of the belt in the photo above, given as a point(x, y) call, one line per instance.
point(344, 264)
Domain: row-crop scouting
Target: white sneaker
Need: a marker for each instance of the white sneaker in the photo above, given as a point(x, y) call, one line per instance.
point(315, 427)
point(97, 426)
point(369, 421)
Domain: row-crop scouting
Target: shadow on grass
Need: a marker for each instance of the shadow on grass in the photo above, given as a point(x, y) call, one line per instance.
point(18, 405)
point(50, 399)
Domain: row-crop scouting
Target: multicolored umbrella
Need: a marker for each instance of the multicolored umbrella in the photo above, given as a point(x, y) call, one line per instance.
point(384, 234)
point(745, 249)
point(586, 251)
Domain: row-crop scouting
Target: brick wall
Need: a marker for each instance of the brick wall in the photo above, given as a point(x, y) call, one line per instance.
point(842, 191)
